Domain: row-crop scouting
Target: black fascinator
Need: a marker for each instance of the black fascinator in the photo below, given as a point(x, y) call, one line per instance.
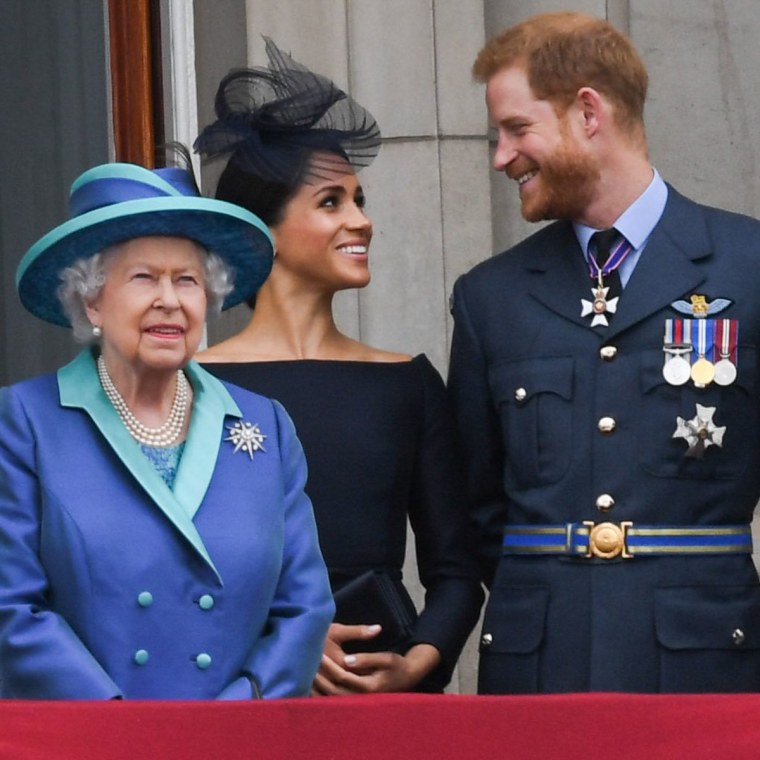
point(282, 122)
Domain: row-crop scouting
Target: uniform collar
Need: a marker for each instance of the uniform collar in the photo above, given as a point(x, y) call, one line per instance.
point(638, 220)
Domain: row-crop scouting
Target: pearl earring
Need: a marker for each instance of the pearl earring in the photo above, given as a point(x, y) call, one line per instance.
point(96, 331)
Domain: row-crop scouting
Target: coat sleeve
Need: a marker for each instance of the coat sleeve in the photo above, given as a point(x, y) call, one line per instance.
point(478, 434)
point(286, 657)
point(445, 549)
point(40, 655)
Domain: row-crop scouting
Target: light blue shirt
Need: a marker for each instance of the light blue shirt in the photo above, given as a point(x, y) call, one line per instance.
point(635, 224)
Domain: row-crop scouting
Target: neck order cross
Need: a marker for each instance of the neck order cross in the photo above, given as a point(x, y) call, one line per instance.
point(607, 251)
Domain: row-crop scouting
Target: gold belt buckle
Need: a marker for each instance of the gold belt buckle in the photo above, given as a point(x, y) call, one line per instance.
point(607, 540)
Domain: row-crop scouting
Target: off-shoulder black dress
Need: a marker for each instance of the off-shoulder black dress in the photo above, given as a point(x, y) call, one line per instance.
point(379, 445)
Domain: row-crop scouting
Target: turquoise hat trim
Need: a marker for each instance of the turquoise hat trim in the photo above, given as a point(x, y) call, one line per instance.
point(141, 202)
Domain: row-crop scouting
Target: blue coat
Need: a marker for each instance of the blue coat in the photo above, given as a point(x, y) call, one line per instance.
point(531, 385)
point(113, 585)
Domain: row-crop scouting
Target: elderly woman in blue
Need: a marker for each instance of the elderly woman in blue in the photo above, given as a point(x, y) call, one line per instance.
point(155, 537)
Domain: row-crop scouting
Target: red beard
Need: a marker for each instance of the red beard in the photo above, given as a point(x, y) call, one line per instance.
point(564, 186)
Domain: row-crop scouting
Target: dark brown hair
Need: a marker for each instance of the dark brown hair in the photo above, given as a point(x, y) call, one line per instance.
point(266, 198)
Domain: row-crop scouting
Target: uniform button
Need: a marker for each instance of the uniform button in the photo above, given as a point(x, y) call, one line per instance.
point(604, 502)
point(521, 394)
point(145, 598)
point(606, 424)
point(206, 602)
point(738, 636)
point(486, 640)
point(203, 660)
point(608, 353)
point(141, 656)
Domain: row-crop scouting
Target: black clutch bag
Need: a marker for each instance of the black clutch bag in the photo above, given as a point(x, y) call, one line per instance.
point(374, 597)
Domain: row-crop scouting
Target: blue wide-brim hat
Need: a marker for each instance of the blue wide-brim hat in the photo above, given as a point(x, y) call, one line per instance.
point(117, 202)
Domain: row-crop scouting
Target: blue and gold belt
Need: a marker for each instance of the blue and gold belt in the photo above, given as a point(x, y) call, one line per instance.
point(608, 540)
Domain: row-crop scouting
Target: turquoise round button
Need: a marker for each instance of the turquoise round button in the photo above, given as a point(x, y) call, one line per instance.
point(141, 656)
point(145, 598)
point(203, 660)
point(206, 602)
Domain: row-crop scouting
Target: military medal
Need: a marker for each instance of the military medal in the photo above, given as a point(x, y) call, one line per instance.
point(726, 334)
point(703, 370)
point(708, 338)
point(725, 372)
point(677, 369)
point(700, 432)
point(601, 305)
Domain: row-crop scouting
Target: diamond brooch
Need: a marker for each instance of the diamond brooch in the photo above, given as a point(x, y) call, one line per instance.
point(246, 437)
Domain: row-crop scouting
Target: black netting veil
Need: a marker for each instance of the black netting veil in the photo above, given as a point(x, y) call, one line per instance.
point(275, 122)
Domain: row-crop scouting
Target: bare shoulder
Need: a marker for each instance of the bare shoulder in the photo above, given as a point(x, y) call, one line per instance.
point(372, 354)
point(231, 350)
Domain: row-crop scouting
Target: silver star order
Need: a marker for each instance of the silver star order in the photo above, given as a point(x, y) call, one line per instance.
point(247, 437)
point(701, 432)
point(599, 306)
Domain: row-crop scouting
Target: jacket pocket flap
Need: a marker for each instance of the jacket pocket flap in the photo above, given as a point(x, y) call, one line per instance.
point(533, 376)
point(515, 620)
point(708, 617)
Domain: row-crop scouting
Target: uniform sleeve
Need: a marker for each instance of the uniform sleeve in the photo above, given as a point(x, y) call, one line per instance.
point(40, 656)
point(287, 656)
point(445, 551)
point(478, 435)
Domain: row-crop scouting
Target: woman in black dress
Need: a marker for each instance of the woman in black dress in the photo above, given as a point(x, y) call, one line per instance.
point(374, 424)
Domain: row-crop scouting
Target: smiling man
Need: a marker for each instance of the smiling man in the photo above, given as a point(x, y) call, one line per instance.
point(609, 416)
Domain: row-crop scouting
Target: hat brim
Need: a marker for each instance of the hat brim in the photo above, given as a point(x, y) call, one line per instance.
point(238, 237)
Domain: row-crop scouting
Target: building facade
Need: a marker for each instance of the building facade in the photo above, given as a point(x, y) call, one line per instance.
point(437, 207)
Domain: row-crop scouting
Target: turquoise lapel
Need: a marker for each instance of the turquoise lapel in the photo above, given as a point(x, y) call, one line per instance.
point(80, 388)
point(212, 404)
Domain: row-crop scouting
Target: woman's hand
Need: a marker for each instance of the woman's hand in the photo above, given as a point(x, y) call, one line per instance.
point(369, 672)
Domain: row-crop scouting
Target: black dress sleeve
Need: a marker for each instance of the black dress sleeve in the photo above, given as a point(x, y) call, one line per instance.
point(446, 558)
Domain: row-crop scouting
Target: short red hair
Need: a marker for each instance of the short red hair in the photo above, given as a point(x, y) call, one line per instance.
point(562, 52)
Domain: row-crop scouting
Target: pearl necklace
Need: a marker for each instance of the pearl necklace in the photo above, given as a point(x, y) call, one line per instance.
point(166, 434)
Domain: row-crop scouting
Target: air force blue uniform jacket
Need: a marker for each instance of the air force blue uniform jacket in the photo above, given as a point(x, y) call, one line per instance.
point(562, 423)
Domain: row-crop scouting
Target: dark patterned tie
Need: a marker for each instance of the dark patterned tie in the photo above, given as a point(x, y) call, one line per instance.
point(602, 243)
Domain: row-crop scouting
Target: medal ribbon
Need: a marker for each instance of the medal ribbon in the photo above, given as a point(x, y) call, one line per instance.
point(668, 332)
point(674, 333)
point(677, 334)
point(705, 339)
point(726, 338)
point(677, 346)
point(686, 332)
point(617, 256)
